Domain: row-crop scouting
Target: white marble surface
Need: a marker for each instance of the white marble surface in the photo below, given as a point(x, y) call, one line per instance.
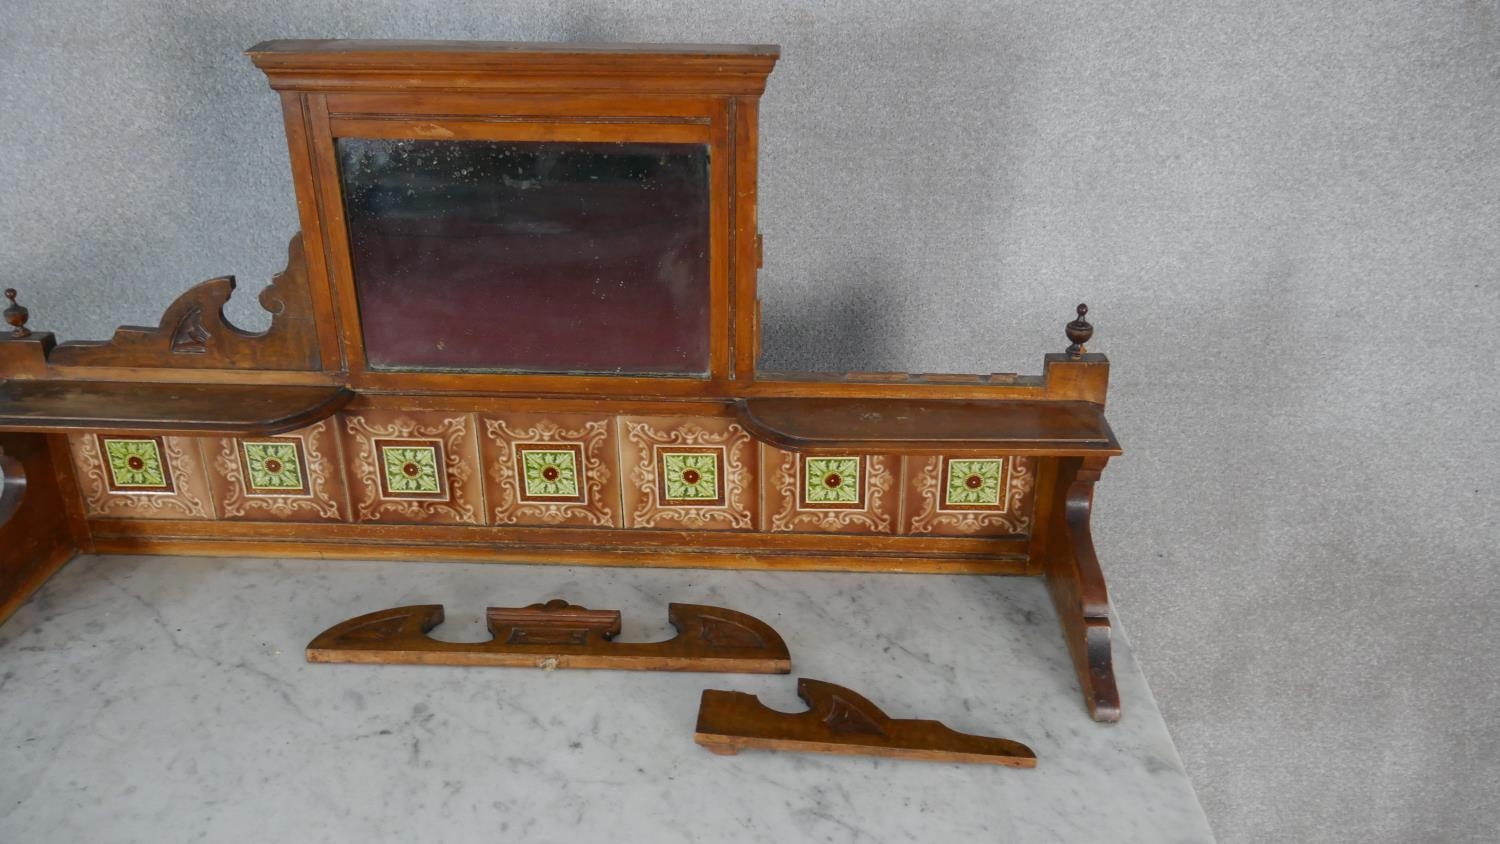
point(160, 699)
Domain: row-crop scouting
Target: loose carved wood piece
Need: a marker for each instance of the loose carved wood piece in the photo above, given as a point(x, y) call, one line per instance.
point(844, 722)
point(559, 635)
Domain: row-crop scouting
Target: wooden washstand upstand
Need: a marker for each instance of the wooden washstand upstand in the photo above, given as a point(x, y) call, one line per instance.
point(520, 322)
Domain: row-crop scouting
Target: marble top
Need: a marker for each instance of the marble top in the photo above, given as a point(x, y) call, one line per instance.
point(167, 699)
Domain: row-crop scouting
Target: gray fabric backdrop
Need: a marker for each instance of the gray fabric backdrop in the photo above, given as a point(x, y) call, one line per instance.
point(1283, 214)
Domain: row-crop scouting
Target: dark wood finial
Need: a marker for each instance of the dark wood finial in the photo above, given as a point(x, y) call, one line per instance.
point(1079, 331)
point(16, 315)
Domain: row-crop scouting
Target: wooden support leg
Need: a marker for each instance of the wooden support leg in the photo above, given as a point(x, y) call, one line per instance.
point(1077, 585)
point(37, 531)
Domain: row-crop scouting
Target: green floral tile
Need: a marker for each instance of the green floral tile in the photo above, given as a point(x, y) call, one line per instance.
point(272, 466)
point(974, 483)
point(550, 474)
point(690, 476)
point(411, 469)
point(831, 480)
point(136, 464)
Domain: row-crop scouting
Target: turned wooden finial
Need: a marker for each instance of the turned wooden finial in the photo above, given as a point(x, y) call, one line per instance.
point(16, 315)
point(1079, 331)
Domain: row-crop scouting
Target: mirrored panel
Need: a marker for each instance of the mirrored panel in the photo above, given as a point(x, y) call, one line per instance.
point(497, 256)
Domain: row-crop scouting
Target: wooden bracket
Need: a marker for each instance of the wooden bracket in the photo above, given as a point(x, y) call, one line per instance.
point(844, 722)
point(559, 635)
point(1076, 584)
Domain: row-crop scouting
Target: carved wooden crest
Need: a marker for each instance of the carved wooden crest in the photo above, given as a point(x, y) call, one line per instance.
point(842, 721)
point(194, 333)
point(559, 635)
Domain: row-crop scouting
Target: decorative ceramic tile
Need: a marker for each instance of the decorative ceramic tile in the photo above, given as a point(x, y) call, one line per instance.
point(695, 473)
point(292, 477)
point(136, 464)
point(974, 484)
point(832, 482)
point(274, 467)
point(968, 496)
point(690, 477)
point(141, 477)
point(851, 493)
point(413, 467)
point(551, 470)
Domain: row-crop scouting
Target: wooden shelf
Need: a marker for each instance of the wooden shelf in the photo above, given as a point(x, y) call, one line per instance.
point(914, 426)
point(165, 408)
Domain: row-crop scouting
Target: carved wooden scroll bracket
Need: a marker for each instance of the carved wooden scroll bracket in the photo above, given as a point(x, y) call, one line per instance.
point(1076, 584)
point(841, 721)
point(194, 333)
point(559, 635)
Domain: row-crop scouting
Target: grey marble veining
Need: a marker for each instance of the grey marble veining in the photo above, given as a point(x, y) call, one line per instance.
point(164, 699)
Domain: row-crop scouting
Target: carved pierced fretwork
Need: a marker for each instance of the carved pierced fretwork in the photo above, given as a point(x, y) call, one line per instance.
point(194, 333)
point(841, 721)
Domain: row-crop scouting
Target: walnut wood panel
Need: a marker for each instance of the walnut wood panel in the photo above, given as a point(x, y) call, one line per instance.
point(36, 538)
point(910, 426)
point(164, 407)
point(844, 722)
point(563, 546)
point(559, 635)
point(195, 334)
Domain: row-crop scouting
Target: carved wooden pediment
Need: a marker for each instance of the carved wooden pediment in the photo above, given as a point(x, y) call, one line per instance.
point(194, 333)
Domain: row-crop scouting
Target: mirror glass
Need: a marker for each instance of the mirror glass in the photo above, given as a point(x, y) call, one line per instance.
point(501, 256)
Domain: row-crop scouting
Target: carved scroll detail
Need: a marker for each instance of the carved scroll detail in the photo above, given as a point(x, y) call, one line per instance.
point(559, 635)
point(842, 721)
point(195, 334)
